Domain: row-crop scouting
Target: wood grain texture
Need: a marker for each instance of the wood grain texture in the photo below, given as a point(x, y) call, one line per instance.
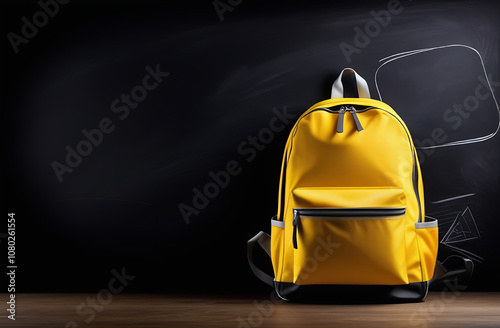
point(148, 311)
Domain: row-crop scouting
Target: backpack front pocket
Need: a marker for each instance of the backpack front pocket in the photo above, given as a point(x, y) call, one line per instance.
point(351, 245)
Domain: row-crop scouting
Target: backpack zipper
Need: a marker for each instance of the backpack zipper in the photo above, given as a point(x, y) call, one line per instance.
point(341, 111)
point(295, 224)
point(344, 213)
point(340, 122)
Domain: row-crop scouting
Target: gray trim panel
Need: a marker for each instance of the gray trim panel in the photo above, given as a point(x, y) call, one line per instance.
point(429, 223)
point(279, 224)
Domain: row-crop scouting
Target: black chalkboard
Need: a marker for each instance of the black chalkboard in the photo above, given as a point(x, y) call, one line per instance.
point(169, 175)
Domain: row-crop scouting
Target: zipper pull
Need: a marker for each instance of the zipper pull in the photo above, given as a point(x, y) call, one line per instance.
point(295, 222)
point(340, 122)
point(352, 110)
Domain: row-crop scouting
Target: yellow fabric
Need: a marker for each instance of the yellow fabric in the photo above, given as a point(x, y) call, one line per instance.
point(372, 169)
point(276, 245)
point(428, 246)
point(359, 254)
point(347, 197)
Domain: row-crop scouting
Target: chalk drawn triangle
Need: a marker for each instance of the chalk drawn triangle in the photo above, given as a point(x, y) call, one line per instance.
point(464, 228)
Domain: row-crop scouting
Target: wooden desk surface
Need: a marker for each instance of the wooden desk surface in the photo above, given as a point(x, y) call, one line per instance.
point(153, 311)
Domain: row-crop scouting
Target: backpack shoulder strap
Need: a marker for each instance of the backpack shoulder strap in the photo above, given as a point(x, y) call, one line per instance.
point(453, 267)
point(264, 241)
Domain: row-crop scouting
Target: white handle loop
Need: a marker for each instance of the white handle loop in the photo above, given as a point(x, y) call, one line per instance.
point(338, 87)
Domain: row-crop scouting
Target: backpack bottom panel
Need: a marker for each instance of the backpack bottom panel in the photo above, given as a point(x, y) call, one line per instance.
point(412, 292)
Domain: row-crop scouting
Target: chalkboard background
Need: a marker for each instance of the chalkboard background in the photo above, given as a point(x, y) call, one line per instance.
point(119, 207)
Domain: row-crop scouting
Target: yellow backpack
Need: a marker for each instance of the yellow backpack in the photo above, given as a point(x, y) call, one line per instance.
point(351, 218)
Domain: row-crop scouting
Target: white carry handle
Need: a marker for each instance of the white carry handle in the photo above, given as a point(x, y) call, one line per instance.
point(338, 88)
